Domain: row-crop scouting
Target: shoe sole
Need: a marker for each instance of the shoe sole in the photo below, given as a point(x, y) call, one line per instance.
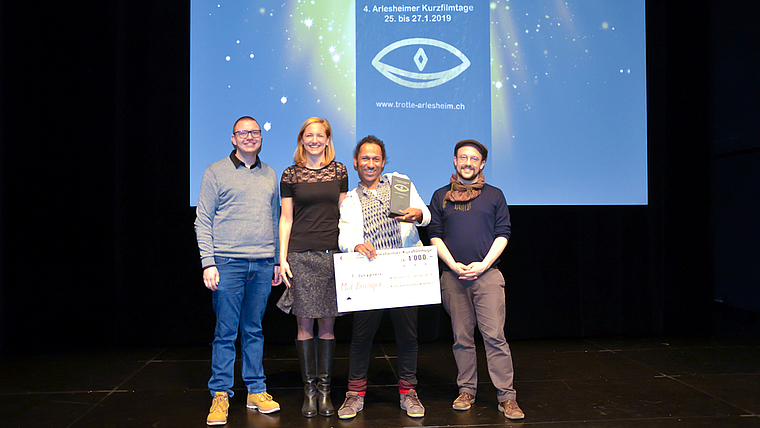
point(347, 416)
point(413, 415)
point(511, 418)
point(463, 408)
point(255, 407)
point(216, 423)
point(514, 418)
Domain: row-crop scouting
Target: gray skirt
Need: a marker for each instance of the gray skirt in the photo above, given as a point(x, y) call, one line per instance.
point(312, 288)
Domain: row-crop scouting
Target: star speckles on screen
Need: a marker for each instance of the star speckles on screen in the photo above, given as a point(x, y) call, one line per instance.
point(512, 29)
point(321, 43)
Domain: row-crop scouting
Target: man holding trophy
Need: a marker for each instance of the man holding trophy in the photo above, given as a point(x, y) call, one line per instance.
point(367, 224)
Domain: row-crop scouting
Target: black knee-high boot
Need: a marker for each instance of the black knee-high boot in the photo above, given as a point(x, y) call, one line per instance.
point(325, 353)
point(308, 359)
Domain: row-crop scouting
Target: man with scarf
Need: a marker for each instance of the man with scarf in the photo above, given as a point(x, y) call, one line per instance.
point(470, 227)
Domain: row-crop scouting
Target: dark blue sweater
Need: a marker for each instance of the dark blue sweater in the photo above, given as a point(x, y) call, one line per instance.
point(469, 234)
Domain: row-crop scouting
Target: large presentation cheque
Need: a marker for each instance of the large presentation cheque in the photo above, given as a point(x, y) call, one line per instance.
point(396, 278)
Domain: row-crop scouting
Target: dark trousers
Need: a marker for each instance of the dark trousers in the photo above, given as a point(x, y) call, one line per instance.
point(366, 324)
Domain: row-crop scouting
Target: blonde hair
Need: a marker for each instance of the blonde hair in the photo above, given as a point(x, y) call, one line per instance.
point(299, 156)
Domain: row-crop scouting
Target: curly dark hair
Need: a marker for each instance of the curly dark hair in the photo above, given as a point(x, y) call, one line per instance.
point(369, 139)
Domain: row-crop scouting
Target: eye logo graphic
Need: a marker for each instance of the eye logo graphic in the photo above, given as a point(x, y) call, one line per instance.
point(401, 187)
point(420, 80)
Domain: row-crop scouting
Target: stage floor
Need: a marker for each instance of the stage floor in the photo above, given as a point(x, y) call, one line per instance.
point(603, 382)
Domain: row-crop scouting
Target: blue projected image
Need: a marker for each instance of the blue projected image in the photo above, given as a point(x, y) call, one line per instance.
point(427, 83)
point(555, 90)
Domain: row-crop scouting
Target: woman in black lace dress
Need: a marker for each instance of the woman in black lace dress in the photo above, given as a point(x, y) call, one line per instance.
point(311, 193)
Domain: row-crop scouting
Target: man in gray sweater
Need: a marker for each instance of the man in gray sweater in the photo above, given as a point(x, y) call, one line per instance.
point(236, 225)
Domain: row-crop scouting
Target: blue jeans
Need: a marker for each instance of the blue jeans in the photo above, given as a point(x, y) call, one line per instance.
point(239, 303)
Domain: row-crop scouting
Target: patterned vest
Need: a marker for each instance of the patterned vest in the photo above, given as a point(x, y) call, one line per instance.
point(379, 229)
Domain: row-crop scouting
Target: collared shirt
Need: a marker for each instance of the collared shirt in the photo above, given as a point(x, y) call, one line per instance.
point(379, 228)
point(351, 222)
point(237, 162)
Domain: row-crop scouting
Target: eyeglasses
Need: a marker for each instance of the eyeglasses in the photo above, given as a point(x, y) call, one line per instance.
point(465, 158)
point(244, 134)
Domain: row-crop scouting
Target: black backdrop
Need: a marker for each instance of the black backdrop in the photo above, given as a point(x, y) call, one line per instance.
point(98, 247)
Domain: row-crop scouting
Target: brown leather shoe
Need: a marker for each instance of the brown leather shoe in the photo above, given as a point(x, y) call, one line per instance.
point(511, 410)
point(464, 401)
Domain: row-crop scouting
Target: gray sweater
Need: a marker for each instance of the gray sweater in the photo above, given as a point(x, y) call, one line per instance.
point(238, 212)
